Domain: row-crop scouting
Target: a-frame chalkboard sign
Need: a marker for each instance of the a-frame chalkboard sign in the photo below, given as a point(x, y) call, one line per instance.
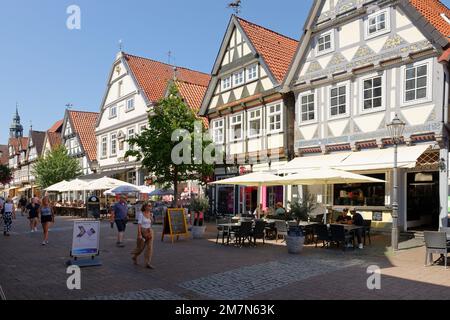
point(175, 224)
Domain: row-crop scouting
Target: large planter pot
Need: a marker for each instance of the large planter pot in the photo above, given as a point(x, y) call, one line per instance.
point(198, 232)
point(295, 244)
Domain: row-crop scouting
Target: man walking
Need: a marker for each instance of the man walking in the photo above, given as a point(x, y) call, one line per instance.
point(119, 215)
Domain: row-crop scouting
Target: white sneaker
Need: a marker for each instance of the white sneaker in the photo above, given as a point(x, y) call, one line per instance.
point(46, 241)
point(32, 230)
point(361, 246)
point(35, 229)
point(43, 243)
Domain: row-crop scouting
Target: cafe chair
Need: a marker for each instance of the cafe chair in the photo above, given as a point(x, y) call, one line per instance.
point(436, 243)
point(222, 231)
point(322, 234)
point(367, 226)
point(281, 230)
point(243, 233)
point(259, 231)
point(339, 236)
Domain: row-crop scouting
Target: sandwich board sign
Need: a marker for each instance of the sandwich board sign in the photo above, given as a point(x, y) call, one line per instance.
point(175, 224)
point(85, 242)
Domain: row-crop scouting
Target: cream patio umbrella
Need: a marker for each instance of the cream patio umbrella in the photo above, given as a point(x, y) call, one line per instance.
point(56, 187)
point(106, 183)
point(73, 186)
point(254, 179)
point(326, 176)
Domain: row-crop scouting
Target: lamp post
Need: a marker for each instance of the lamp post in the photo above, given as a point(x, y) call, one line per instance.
point(395, 128)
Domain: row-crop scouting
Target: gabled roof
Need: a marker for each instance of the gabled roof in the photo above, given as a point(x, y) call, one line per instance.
point(276, 49)
point(431, 10)
point(193, 95)
point(38, 138)
point(83, 125)
point(57, 127)
point(153, 76)
point(23, 144)
point(54, 139)
point(4, 154)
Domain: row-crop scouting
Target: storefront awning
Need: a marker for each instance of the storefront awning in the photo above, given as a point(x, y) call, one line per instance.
point(314, 162)
point(374, 159)
point(383, 158)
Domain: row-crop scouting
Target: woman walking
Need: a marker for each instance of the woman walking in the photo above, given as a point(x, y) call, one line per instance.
point(33, 214)
point(47, 216)
point(145, 236)
point(8, 215)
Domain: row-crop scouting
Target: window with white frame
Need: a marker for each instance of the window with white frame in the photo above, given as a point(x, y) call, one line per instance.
point(130, 104)
point(416, 82)
point(217, 128)
point(104, 146)
point(131, 134)
point(236, 127)
point(252, 72)
point(113, 112)
point(113, 149)
point(377, 24)
point(325, 42)
point(372, 93)
point(307, 107)
point(238, 78)
point(142, 128)
point(226, 83)
point(338, 101)
point(254, 123)
point(275, 118)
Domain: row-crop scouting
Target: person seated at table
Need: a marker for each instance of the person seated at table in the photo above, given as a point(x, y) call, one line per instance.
point(358, 220)
point(344, 217)
point(280, 211)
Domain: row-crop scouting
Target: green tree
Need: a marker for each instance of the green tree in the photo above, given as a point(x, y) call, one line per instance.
point(5, 174)
point(55, 167)
point(155, 145)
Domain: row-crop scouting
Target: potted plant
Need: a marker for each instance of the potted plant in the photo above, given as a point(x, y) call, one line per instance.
point(198, 207)
point(300, 210)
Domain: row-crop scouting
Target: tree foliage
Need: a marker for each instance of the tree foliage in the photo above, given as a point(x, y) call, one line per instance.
point(55, 167)
point(5, 174)
point(155, 143)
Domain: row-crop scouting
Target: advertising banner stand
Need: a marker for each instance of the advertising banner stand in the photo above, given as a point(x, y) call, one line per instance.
point(85, 244)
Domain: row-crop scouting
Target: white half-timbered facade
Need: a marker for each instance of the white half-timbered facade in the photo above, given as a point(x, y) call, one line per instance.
point(359, 64)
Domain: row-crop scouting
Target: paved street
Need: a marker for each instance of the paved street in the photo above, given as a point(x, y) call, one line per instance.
point(200, 269)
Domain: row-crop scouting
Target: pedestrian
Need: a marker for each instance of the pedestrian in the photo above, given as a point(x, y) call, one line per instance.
point(119, 215)
point(145, 236)
point(22, 205)
point(33, 214)
point(47, 216)
point(8, 215)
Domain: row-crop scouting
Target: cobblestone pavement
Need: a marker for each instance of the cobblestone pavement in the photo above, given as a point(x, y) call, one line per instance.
point(200, 269)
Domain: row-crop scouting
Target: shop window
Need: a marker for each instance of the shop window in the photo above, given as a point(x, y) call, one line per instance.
point(361, 194)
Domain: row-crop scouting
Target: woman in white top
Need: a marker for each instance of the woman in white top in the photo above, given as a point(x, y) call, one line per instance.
point(145, 236)
point(8, 216)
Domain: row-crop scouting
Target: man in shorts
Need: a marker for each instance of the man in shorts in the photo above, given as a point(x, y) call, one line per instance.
point(119, 215)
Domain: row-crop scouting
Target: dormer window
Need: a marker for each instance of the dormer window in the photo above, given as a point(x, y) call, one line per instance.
point(377, 24)
point(325, 43)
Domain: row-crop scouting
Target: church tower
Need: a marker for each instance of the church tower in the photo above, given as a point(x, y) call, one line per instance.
point(16, 129)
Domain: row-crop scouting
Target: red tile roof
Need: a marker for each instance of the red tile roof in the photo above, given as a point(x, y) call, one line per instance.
point(23, 143)
point(153, 76)
point(54, 139)
point(432, 10)
point(4, 156)
point(84, 125)
point(276, 49)
point(57, 127)
point(193, 95)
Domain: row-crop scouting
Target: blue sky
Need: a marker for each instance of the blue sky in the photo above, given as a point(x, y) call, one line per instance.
point(45, 65)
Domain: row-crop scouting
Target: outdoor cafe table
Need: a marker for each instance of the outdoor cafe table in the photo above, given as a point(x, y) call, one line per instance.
point(229, 226)
point(352, 229)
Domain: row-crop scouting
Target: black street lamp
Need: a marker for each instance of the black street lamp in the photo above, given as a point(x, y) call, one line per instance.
point(395, 128)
